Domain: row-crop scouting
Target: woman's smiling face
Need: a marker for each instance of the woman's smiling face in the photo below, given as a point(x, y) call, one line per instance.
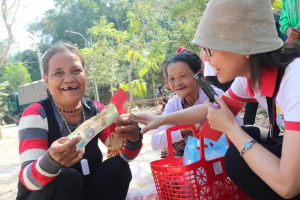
point(66, 78)
point(181, 79)
point(227, 65)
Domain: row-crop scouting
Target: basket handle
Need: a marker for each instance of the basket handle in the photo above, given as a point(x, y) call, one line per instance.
point(175, 128)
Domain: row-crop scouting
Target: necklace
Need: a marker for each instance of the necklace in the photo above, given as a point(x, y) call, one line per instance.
point(66, 111)
point(67, 125)
point(84, 163)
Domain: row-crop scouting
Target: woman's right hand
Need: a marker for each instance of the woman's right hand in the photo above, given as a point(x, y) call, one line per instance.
point(64, 151)
point(189, 132)
point(151, 121)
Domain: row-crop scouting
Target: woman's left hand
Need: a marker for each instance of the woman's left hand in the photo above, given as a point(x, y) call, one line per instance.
point(127, 127)
point(220, 119)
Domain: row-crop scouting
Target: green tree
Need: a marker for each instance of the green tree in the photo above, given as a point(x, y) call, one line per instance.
point(138, 88)
point(16, 75)
point(140, 17)
point(3, 107)
point(152, 63)
point(73, 15)
point(30, 60)
point(277, 6)
point(103, 59)
point(127, 37)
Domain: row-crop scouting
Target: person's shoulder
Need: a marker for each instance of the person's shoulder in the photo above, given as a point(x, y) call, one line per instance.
point(294, 66)
point(240, 80)
point(174, 100)
point(239, 85)
point(173, 104)
point(218, 90)
point(99, 106)
point(292, 71)
point(96, 103)
point(34, 109)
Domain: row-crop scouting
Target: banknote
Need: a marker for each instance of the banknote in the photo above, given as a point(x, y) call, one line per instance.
point(90, 128)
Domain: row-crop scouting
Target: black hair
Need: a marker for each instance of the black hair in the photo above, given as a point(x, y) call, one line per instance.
point(279, 58)
point(190, 58)
point(60, 47)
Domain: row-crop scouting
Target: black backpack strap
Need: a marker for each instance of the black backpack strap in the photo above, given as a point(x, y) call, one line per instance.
point(274, 129)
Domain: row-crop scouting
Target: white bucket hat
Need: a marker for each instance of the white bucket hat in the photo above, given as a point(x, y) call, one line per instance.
point(244, 27)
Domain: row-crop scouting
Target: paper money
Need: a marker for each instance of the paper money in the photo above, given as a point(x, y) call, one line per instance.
point(90, 128)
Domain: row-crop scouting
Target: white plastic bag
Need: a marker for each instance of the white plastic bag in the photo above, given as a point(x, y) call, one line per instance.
point(142, 186)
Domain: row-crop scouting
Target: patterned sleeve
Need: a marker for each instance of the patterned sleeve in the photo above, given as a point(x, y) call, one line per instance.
point(130, 152)
point(37, 168)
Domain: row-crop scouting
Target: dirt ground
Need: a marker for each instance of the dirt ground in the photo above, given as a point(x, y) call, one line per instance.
point(9, 156)
point(9, 163)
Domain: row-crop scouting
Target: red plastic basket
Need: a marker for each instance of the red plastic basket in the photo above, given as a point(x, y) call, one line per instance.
point(201, 180)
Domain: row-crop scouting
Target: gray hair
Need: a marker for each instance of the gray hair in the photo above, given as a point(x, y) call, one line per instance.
point(60, 47)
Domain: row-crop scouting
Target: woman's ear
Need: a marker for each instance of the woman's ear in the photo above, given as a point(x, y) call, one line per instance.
point(248, 56)
point(45, 77)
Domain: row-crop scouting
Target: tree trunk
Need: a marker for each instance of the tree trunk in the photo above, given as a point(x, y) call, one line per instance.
point(112, 78)
point(153, 83)
point(8, 28)
point(129, 81)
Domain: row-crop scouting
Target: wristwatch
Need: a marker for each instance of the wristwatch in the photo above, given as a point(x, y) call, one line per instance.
point(247, 146)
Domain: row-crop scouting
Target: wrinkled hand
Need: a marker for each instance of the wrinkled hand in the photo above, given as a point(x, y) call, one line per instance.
point(151, 121)
point(64, 151)
point(186, 132)
point(127, 127)
point(292, 34)
point(220, 119)
point(198, 126)
point(189, 131)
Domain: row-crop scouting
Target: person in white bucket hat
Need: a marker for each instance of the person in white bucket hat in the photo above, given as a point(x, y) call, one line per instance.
point(241, 42)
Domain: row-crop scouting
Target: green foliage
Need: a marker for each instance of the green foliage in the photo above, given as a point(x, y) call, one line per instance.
point(152, 63)
point(30, 60)
point(138, 88)
point(16, 75)
point(3, 106)
point(277, 6)
point(2, 87)
point(78, 16)
point(125, 86)
point(104, 59)
point(129, 39)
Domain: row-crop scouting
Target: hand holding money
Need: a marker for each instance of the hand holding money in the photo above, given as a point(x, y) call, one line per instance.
point(127, 127)
point(90, 128)
point(64, 151)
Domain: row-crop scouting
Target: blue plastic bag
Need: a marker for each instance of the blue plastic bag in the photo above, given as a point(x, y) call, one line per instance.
point(215, 149)
point(191, 152)
point(212, 149)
